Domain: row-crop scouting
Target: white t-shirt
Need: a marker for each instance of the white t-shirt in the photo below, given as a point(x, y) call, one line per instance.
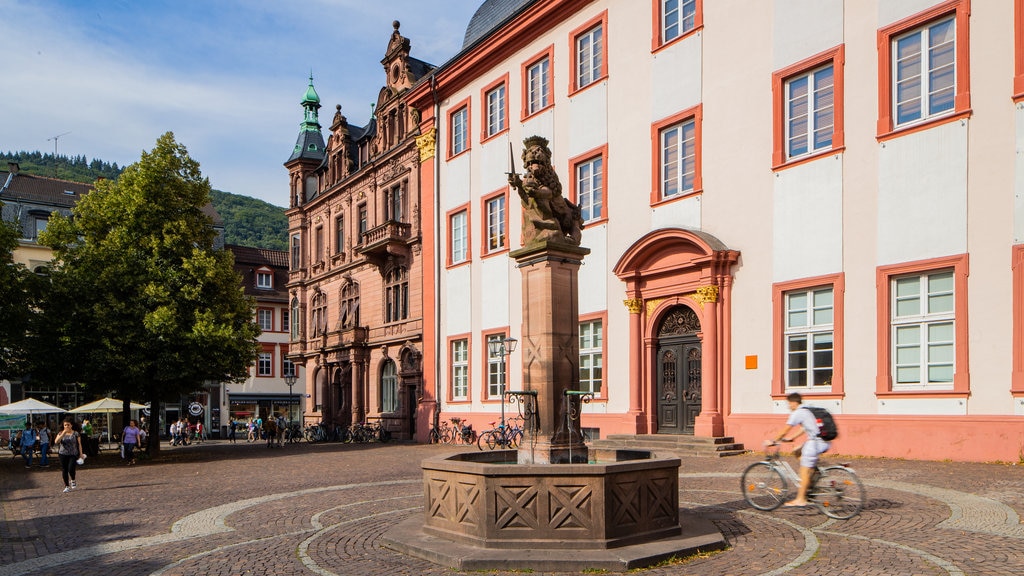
point(805, 418)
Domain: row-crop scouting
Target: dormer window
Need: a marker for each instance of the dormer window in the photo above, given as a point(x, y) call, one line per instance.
point(264, 279)
point(69, 192)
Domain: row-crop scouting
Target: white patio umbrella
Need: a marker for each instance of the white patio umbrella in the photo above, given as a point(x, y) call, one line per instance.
point(106, 406)
point(30, 406)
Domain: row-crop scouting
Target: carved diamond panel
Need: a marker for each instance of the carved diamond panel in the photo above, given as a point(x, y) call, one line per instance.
point(570, 507)
point(516, 507)
point(453, 501)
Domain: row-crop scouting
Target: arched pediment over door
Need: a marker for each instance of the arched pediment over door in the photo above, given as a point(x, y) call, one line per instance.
point(663, 269)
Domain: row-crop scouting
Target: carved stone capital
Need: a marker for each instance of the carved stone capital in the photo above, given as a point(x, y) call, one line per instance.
point(634, 305)
point(706, 294)
point(427, 144)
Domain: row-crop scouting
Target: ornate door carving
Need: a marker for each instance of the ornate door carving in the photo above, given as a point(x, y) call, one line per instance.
point(678, 369)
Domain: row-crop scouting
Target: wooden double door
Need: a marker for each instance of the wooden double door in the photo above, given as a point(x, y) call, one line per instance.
point(678, 367)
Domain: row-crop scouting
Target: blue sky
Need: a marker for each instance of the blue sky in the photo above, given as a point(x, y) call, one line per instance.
point(226, 76)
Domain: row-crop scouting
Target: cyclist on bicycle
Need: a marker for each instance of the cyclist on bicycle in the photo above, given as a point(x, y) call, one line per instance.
point(801, 419)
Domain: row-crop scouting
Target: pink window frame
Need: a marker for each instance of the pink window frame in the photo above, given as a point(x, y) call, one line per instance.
point(961, 376)
point(549, 54)
point(469, 236)
point(574, 193)
point(484, 107)
point(779, 290)
point(696, 113)
point(962, 98)
point(837, 57)
point(469, 369)
point(657, 41)
point(485, 251)
point(464, 104)
point(599, 20)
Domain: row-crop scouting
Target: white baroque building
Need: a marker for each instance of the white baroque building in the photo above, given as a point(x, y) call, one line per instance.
point(820, 196)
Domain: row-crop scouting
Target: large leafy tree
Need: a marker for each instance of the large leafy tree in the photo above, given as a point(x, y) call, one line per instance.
point(15, 304)
point(141, 299)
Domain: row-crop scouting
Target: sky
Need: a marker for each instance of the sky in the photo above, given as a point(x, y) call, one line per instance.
point(106, 78)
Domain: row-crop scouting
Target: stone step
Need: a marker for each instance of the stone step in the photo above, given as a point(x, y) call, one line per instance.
point(675, 444)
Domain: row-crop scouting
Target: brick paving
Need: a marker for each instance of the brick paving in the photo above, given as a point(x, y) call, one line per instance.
point(320, 509)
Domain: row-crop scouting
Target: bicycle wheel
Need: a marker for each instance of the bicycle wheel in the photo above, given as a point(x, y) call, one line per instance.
point(514, 438)
point(481, 441)
point(433, 437)
point(764, 487)
point(839, 493)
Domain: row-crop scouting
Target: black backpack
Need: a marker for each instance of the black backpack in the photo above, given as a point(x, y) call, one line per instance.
point(826, 424)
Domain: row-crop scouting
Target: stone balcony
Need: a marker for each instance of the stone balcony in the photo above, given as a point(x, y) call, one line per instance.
point(390, 239)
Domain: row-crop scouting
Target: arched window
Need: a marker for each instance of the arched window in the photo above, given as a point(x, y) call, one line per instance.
point(396, 295)
point(295, 318)
point(318, 313)
point(389, 387)
point(349, 317)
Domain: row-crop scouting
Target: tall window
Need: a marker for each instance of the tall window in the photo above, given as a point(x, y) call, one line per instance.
point(396, 295)
point(349, 309)
point(264, 280)
point(923, 330)
point(285, 322)
point(809, 336)
point(678, 158)
point(265, 319)
point(677, 18)
point(494, 209)
point(295, 319)
point(287, 367)
point(394, 199)
point(339, 234)
point(389, 387)
point(924, 71)
point(459, 246)
point(924, 67)
point(537, 86)
point(589, 49)
point(265, 364)
point(318, 313)
point(495, 376)
point(296, 251)
point(364, 222)
point(495, 100)
point(318, 244)
point(460, 369)
point(590, 188)
point(459, 124)
point(809, 112)
point(591, 356)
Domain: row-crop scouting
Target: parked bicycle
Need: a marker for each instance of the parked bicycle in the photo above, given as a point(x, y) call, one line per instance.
point(503, 436)
point(440, 434)
point(835, 490)
point(462, 432)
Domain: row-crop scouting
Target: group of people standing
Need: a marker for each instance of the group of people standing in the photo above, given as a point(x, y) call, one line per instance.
point(183, 432)
point(257, 429)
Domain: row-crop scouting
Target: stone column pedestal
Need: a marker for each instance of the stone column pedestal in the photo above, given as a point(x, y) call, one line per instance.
point(550, 349)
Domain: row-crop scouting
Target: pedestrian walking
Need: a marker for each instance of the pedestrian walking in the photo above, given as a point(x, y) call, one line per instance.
point(231, 431)
point(129, 440)
point(43, 437)
point(28, 444)
point(69, 451)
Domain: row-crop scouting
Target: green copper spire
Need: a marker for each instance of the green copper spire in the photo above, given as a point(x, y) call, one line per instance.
point(311, 102)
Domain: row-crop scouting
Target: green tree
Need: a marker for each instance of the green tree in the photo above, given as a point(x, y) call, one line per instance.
point(148, 307)
point(15, 304)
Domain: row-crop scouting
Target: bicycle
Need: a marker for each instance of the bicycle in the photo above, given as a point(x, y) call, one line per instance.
point(504, 436)
point(441, 434)
point(462, 433)
point(835, 490)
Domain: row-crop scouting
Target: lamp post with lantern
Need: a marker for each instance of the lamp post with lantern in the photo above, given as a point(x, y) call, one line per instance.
point(503, 347)
point(290, 380)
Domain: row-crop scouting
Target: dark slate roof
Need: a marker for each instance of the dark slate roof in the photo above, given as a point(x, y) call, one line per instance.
point(419, 68)
point(489, 16)
point(41, 190)
point(259, 256)
point(309, 146)
point(248, 259)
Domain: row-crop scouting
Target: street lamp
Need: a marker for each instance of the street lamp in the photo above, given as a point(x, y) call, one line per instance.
point(290, 380)
point(503, 346)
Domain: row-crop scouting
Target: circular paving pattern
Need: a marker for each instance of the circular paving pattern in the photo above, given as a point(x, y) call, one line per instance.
point(322, 509)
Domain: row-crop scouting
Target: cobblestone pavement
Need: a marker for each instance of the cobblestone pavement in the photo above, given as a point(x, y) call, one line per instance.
point(230, 509)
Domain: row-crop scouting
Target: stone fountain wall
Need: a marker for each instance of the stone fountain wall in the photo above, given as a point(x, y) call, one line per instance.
point(492, 503)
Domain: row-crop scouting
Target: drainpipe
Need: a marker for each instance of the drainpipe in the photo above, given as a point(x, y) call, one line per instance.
point(437, 252)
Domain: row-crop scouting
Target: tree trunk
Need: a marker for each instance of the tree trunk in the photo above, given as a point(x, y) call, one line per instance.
point(154, 426)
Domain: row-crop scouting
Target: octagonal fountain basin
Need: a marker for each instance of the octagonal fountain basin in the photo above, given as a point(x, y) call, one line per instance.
point(484, 511)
